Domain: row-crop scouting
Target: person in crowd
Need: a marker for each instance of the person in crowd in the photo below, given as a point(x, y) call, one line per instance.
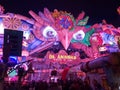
point(76, 85)
point(97, 86)
point(87, 86)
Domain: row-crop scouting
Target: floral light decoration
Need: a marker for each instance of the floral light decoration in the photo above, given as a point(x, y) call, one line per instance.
point(65, 22)
point(11, 22)
point(56, 14)
point(64, 19)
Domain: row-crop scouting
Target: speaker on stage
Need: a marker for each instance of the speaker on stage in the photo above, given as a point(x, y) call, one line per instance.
point(12, 43)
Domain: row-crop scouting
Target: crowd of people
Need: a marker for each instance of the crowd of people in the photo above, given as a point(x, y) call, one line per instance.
point(76, 84)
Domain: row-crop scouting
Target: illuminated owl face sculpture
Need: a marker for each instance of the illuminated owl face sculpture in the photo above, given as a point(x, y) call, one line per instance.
point(62, 26)
point(59, 26)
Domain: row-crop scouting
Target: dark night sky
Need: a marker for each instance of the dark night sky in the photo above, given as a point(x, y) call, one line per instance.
point(97, 10)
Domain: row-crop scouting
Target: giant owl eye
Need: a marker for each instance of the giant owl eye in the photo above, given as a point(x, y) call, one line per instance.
point(79, 35)
point(49, 32)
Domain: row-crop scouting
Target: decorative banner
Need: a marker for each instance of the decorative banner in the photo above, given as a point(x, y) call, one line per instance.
point(62, 57)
